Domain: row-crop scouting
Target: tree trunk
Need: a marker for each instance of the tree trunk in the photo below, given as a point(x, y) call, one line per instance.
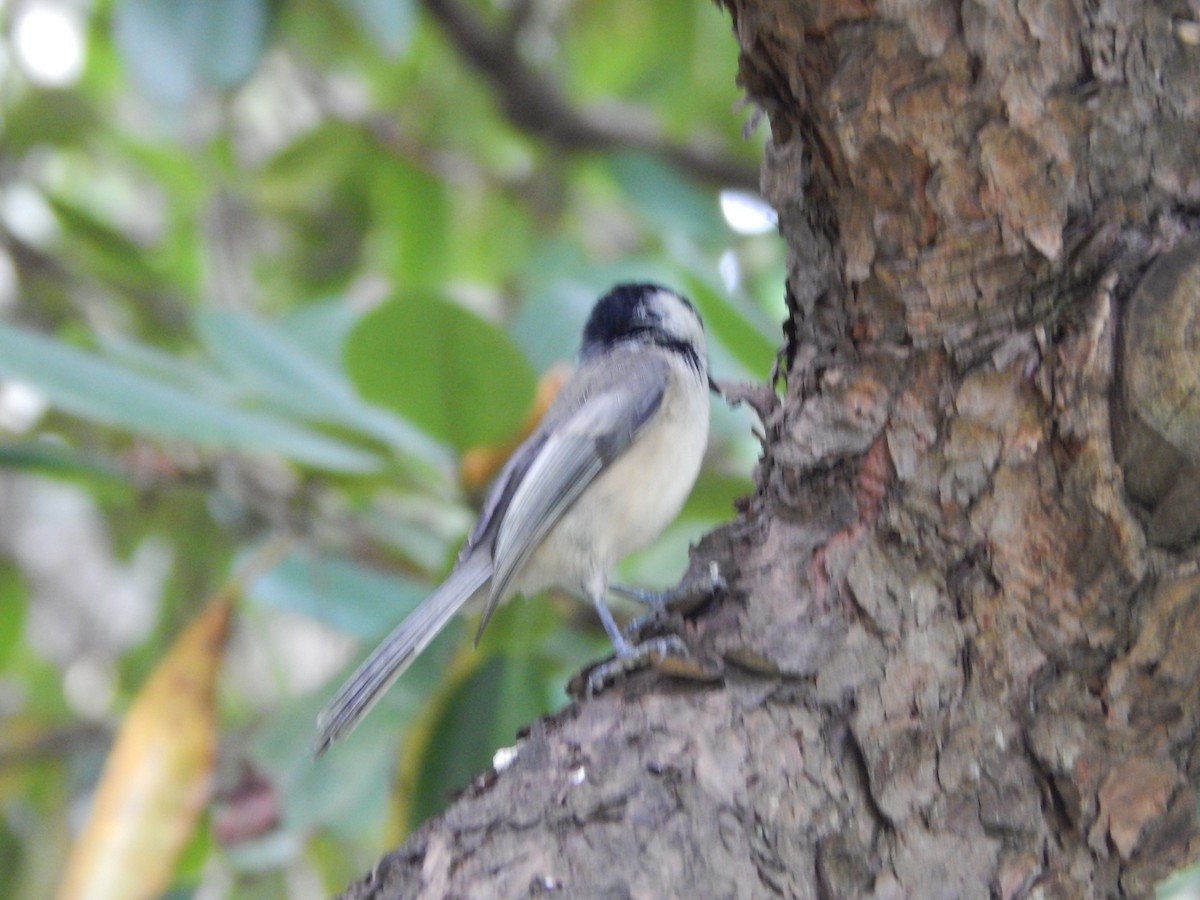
point(960, 654)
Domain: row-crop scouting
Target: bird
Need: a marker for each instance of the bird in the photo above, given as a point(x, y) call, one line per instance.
point(605, 472)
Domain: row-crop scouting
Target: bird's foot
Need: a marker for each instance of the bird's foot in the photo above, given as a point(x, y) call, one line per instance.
point(682, 598)
point(652, 652)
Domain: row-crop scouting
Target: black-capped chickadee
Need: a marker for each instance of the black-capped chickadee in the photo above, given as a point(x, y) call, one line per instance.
point(608, 469)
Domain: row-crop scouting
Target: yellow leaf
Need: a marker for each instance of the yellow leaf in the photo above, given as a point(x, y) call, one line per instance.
point(156, 780)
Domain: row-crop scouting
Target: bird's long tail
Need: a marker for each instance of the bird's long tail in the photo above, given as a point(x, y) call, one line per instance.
point(398, 650)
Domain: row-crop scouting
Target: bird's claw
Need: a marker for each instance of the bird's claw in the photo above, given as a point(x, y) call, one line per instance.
point(648, 653)
point(684, 597)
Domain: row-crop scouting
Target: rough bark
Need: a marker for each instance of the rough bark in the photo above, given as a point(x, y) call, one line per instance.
point(958, 658)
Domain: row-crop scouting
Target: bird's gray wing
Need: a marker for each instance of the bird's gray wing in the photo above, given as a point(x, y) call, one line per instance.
point(585, 436)
point(501, 492)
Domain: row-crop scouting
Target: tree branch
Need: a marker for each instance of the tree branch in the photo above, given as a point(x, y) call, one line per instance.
point(536, 106)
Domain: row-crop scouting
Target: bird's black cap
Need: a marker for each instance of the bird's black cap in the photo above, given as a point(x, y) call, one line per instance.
point(622, 313)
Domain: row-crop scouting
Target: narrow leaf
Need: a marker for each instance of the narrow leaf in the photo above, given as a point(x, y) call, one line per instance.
point(86, 385)
point(264, 358)
point(732, 327)
point(61, 462)
point(339, 592)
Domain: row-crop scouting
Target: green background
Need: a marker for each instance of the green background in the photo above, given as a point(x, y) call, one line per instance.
point(271, 267)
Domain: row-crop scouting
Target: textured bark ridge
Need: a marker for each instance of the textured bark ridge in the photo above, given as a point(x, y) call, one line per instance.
point(958, 657)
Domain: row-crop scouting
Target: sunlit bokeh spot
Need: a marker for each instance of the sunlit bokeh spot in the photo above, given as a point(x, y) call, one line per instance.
point(21, 406)
point(25, 212)
point(747, 213)
point(48, 43)
point(731, 271)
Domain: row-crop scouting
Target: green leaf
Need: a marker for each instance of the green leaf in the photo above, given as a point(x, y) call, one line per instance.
point(480, 716)
point(228, 37)
point(263, 358)
point(109, 253)
point(560, 288)
point(454, 375)
point(340, 593)
point(516, 680)
point(389, 23)
point(558, 292)
point(413, 219)
point(153, 364)
point(425, 526)
point(732, 327)
point(321, 328)
point(349, 787)
point(61, 462)
point(667, 200)
point(89, 386)
point(174, 47)
point(312, 166)
point(713, 497)
point(47, 117)
point(13, 603)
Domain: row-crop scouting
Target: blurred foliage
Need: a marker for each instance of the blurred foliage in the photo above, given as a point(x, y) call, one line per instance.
point(267, 269)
